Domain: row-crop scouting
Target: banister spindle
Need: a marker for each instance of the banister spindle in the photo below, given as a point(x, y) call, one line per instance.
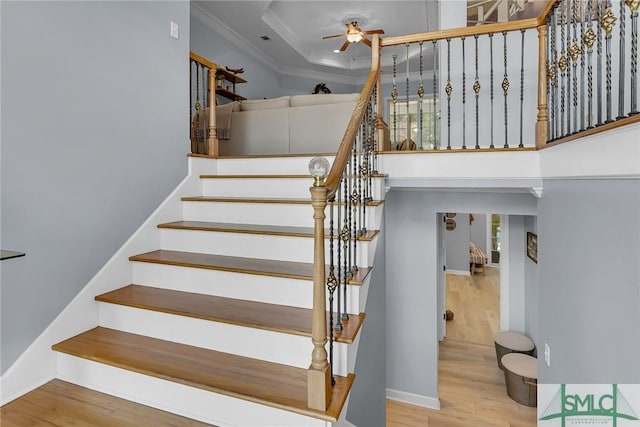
point(394, 97)
point(505, 89)
point(574, 54)
point(621, 68)
point(608, 21)
point(476, 90)
point(599, 79)
point(332, 284)
point(562, 66)
point(406, 99)
point(448, 90)
point(582, 67)
point(522, 86)
point(491, 85)
point(420, 102)
point(588, 39)
point(435, 142)
point(633, 6)
point(464, 98)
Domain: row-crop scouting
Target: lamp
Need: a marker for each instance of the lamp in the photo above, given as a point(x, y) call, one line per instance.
point(354, 36)
point(319, 169)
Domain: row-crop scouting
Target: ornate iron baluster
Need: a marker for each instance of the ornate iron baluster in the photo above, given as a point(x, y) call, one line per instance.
point(574, 54)
point(491, 84)
point(394, 97)
point(521, 85)
point(608, 22)
point(505, 88)
point(332, 284)
point(406, 100)
point(476, 90)
point(464, 98)
point(435, 142)
point(552, 75)
point(633, 6)
point(588, 39)
point(341, 277)
point(582, 65)
point(562, 65)
point(420, 101)
point(599, 66)
point(621, 68)
point(449, 90)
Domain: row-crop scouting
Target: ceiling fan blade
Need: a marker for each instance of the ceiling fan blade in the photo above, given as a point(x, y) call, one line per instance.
point(373, 32)
point(334, 36)
point(345, 46)
point(366, 41)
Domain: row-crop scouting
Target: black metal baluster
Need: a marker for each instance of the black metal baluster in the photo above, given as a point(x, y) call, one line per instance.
point(332, 284)
point(634, 56)
point(582, 67)
point(341, 277)
point(552, 75)
point(420, 101)
point(608, 21)
point(505, 89)
point(562, 65)
point(406, 100)
point(569, 77)
point(588, 39)
point(491, 84)
point(621, 69)
point(599, 62)
point(205, 147)
point(574, 53)
point(448, 89)
point(464, 99)
point(394, 97)
point(435, 141)
point(521, 86)
point(476, 90)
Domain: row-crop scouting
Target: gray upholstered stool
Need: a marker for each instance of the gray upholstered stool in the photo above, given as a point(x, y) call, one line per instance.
point(521, 377)
point(512, 342)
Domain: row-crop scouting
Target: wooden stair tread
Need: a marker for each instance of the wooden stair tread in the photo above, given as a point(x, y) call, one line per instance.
point(276, 200)
point(276, 176)
point(267, 383)
point(59, 403)
point(265, 267)
point(273, 317)
point(273, 230)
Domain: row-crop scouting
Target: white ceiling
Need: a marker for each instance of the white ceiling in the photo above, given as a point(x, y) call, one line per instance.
point(296, 28)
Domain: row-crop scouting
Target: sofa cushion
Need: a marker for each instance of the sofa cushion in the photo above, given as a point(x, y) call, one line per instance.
point(265, 104)
point(318, 128)
point(323, 98)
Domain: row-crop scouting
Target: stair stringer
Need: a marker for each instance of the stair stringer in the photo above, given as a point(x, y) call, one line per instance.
point(37, 364)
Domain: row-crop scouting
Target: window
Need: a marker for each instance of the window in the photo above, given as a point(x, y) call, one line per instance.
point(429, 138)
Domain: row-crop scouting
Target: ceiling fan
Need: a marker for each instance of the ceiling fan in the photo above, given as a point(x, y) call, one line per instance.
point(354, 35)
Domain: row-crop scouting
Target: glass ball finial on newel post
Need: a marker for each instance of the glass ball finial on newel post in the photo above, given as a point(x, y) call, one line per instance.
point(319, 169)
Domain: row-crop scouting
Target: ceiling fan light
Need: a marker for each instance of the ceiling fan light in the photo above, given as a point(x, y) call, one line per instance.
point(354, 37)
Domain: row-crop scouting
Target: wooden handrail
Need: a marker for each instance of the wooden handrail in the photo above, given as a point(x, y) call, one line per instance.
point(344, 151)
point(202, 60)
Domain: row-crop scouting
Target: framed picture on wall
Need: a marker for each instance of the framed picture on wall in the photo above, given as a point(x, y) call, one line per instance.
point(532, 246)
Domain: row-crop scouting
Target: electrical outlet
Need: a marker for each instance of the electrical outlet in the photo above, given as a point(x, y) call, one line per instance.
point(174, 30)
point(547, 354)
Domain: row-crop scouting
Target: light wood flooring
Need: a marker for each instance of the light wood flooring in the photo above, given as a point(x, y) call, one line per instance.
point(475, 302)
point(471, 386)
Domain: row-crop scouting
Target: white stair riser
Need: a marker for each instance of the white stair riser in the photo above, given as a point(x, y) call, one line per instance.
point(297, 188)
point(265, 166)
point(252, 287)
point(202, 405)
point(282, 248)
point(296, 215)
point(271, 346)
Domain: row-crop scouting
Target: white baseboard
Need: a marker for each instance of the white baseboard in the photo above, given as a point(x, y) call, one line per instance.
point(459, 272)
point(414, 399)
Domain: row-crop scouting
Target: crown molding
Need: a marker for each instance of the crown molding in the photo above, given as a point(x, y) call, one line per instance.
point(319, 75)
point(236, 39)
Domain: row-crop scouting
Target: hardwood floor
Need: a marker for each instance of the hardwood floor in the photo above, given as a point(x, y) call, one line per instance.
point(475, 302)
point(471, 386)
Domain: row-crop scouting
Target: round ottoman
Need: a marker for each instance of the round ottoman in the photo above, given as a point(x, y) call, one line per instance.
point(521, 377)
point(512, 342)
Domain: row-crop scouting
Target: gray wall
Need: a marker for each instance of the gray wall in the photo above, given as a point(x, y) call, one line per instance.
point(367, 401)
point(589, 287)
point(262, 81)
point(411, 276)
point(94, 136)
point(456, 243)
point(515, 272)
point(531, 286)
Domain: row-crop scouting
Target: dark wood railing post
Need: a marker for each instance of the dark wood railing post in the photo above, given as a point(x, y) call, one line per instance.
point(542, 124)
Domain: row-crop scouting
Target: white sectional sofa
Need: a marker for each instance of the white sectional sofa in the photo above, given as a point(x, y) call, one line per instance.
point(296, 124)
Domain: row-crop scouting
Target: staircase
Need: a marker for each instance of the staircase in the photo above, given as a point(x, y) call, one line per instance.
point(215, 324)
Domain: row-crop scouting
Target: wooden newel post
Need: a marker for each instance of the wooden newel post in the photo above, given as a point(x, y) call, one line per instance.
point(542, 125)
point(212, 136)
point(319, 373)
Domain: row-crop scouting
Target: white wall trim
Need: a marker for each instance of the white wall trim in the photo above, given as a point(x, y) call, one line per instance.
point(37, 364)
point(414, 399)
point(459, 272)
